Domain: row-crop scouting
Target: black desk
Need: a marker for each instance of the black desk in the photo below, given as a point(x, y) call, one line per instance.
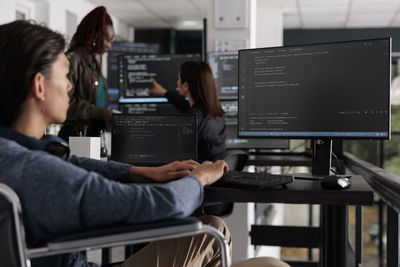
point(298, 192)
point(281, 159)
point(334, 219)
point(275, 159)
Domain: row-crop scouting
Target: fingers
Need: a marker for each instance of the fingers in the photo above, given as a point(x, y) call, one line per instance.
point(191, 162)
point(222, 164)
point(155, 83)
point(185, 165)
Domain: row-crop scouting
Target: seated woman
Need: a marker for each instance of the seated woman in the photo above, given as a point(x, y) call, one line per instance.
point(196, 82)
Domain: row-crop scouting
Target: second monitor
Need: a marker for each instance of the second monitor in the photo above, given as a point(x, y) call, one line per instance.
point(136, 71)
point(153, 140)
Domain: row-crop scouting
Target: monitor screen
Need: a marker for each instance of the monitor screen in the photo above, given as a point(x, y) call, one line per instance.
point(153, 140)
point(321, 91)
point(225, 69)
point(135, 72)
point(149, 108)
point(120, 48)
point(233, 142)
point(113, 96)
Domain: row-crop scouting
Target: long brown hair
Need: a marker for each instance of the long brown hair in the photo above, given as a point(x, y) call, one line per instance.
point(202, 87)
point(91, 32)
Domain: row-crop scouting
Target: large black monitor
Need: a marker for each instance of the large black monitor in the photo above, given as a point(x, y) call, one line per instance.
point(225, 69)
point(120, 48)
point(153, 140)
point(135, 72)
point(321, 91)
point(232, 141)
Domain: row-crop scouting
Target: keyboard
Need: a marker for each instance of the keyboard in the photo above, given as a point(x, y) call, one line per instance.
point(253, 180)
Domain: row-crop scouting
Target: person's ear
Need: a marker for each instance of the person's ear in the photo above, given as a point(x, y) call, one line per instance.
point(37, 88)
point(185, 87)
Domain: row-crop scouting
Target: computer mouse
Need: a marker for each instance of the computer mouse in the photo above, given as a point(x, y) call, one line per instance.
point(336, 182)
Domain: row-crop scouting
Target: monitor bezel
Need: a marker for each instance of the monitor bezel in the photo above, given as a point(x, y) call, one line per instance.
point(330, 137)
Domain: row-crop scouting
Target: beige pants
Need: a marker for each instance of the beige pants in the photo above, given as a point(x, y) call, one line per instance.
point(197, 251)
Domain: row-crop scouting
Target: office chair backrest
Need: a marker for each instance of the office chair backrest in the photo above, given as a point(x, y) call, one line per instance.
point(12, 241)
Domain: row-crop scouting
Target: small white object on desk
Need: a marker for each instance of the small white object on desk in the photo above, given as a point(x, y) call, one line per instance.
point(85, 146)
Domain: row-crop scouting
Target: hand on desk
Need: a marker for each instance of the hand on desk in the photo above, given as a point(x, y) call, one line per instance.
point(165, 173)
point(209, 172)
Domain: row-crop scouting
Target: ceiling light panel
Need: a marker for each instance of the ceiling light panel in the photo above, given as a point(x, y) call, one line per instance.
point(322, 2)
point(325, 18)
point(396, 21)
point(127, 6)
point(168, 5)
point(368, 20)
point(381, 5)
point(373, 2)
point(200, 4)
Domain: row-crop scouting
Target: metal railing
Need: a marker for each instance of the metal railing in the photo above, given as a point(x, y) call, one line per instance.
point(387, 186)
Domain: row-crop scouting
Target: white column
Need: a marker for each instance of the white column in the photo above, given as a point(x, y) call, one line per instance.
point(41, 12)
point(57, 16)
point(235, 34)
point(262, 24)
point(247, 24)
point(266, 24)
point(7, 11)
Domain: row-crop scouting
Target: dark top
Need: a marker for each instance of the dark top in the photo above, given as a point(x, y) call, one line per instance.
point(211, 132)
point(83, 112)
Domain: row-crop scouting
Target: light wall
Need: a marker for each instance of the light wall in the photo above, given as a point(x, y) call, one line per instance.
point(53, 14)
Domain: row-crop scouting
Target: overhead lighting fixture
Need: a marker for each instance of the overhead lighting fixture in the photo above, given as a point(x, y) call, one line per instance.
point(190, 23)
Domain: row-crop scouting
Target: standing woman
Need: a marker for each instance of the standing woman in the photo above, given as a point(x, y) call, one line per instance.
point(88, 112)
point(196, 82)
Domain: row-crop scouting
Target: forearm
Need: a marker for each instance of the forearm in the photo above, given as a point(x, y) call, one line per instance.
point(139, 174)
point(110, 169)
point(178, 100)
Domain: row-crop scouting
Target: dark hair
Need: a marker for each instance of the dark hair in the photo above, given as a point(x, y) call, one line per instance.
point(91, 31)
point(26, 49)
point(202, 87)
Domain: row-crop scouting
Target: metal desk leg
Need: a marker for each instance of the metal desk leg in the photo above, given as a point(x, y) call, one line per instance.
point(334, 222)
point(392, 235)
point(310, 217)
point(106, 255)
point(380, 232)
point(358, 245)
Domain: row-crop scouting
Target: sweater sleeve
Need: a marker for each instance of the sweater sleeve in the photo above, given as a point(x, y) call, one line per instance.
point(60, 198)
point(109, 169)
point(177, 100)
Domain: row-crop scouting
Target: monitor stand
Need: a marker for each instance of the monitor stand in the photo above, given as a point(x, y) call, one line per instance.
point(321, 161)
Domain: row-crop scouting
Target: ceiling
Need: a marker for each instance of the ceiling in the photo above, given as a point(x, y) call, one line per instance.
point(297, 14)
